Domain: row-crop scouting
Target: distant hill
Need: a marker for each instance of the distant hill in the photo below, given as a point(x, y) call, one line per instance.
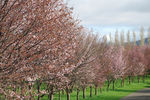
point(145, 41)
point(138, 42)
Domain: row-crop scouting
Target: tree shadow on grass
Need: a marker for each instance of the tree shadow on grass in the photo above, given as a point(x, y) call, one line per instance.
point(147, 86)
point(122, 90)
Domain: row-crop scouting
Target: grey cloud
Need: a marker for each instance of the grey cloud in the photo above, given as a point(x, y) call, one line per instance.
point(137, 6)
point(113, 12)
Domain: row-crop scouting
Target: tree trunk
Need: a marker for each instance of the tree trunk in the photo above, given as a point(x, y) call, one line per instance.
point(68, 96)
point(100, 90)
point(116, 81)
point(129, 79)
point(143, 78)
point(38, 97)
point(138, 77)
point(30, 93)
point(90, 91)
point(51, 92)
point(96, 90)
point(68, 93)
point(22, 89)
point(77, 93)
point(63, 91)
point(59, 95)
point(114, 84)
point(84, 91)
point(121, 82)
point(50, 96)
point(38, 89)
point(108, 85)
point(132, 79)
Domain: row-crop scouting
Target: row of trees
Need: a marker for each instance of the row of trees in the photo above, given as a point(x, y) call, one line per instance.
point(41, 43)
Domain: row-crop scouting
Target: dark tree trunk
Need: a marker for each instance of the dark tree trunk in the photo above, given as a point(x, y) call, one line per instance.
point(121, 82)
point(96, 90)
point(138, 77)
point(22, 89)
point(50, 96)
point(38, 89)
point(114, 84)
point(68, 96)
point(68, 93)
point(77, 93)
point(51, 92)
point(100, 90)
point(90, 91)
point(59, 95)
point(30, 98)
point(84, 91)
point(63, 91)
point(129, 79)
point(143, 78)
point(132, 79)
point(108, 85)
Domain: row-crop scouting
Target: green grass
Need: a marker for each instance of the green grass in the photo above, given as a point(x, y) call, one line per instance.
point(108, 95)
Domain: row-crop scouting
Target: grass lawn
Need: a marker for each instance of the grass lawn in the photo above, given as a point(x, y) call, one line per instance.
point(110, 95)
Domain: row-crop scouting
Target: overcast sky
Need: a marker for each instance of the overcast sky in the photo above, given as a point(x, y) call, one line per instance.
point(106, 16)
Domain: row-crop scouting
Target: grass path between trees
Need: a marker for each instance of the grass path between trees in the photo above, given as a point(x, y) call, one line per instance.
point(117, 94)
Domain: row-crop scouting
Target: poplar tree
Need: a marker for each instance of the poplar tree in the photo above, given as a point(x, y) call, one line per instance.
point(142, 36)
point(122, 38)
point(128, 40)
point(116, 38)
point(110, 37)
point(134, 38)
point(149, 35)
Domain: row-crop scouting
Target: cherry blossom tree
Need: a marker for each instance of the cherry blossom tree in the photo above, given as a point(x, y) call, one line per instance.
point(99, 65)
point(136, 63)
point(37, 40)
point(147, 57)
point(82, 74)
point(116, 64)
